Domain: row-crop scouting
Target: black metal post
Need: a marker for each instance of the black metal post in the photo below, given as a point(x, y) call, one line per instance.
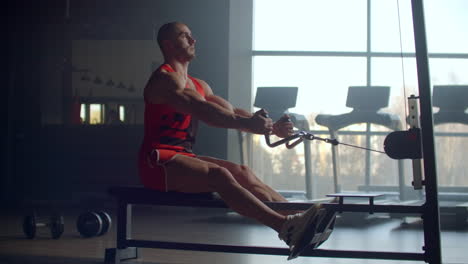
point(431, 215)
point(124, 223)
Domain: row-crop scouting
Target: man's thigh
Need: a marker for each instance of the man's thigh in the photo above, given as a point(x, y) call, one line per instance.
point(231, 166)
point(188, 174)
point(243, 176)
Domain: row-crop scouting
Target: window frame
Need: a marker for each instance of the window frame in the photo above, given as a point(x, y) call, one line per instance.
point(368, 54)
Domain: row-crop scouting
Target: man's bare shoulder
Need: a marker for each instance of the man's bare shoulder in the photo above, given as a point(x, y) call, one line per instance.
point(166, 80)
point(161, 85)
point(162, 74)
point(200, 80)
point(205, 85)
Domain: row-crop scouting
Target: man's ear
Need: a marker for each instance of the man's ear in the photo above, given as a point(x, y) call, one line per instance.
point(167, 44)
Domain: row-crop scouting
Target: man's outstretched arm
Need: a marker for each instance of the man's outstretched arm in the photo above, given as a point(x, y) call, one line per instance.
point(281, 128)
point(169, 88)
point(228, 106)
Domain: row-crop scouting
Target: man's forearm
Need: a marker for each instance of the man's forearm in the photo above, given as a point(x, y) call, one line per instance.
point(238, 112)
point(218, 115)
point(242, 112)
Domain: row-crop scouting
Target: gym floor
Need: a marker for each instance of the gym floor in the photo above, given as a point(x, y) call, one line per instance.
point(378, 233)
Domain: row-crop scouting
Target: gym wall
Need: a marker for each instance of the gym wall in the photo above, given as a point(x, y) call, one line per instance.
point(49, 158)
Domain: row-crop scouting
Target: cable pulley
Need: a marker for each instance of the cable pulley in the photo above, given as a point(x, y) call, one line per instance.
point(299, 137)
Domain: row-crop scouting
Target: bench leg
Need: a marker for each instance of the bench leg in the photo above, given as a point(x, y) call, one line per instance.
point(124, 232)
point(115, 255)
point(124, 224)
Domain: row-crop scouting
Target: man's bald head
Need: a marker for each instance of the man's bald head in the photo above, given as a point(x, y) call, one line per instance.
point(166, 32)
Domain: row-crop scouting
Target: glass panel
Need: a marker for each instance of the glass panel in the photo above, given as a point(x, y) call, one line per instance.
point(388, 19)
point(451, 144)
point(307, 25)
point(122, 113)
point(96, 114)
point(449, 71)
point(451, 138)
point(447, 26)
point(83, 113)
point(322, 81)
point(323, 84)
point(401, 76)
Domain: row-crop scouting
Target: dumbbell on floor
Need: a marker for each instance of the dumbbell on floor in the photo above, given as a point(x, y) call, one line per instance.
point(91, 224)
point(55, 223)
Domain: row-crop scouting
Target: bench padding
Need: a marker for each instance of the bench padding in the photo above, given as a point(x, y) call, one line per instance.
point(142, 195)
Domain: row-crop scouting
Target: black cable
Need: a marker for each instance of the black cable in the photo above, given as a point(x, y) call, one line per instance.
point(335, 142)
point(369, 149)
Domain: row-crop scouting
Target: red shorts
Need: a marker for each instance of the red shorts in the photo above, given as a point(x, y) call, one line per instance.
point(152, 166)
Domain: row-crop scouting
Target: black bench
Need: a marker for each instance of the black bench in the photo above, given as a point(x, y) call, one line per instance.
point(127, 248)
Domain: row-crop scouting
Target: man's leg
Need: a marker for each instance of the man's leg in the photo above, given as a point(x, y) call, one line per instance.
point(246, 177)
point(189, 174)
point(192, 175)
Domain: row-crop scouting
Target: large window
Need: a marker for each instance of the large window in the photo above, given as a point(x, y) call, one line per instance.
point(323, 48)
point(302, 25)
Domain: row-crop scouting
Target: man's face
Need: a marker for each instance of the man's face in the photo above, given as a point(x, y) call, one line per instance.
point(183, 42)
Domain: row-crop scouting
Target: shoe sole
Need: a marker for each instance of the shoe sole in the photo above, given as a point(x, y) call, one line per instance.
point(307, 234)
point(319, 224)
point(325, 228)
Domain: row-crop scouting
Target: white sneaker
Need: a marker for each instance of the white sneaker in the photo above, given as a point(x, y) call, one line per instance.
point(299, 229)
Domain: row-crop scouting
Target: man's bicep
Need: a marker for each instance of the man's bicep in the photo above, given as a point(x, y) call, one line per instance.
point(220, 101)
point(184, 100)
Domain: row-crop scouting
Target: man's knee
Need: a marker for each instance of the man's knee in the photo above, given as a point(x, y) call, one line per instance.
point(245, 175)
point(220, 177)
point(244, 170)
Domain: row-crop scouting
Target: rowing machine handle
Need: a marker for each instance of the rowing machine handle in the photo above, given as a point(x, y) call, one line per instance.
point(285, 140)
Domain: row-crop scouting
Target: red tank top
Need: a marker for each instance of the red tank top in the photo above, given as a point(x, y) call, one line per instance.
point(165, 128)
